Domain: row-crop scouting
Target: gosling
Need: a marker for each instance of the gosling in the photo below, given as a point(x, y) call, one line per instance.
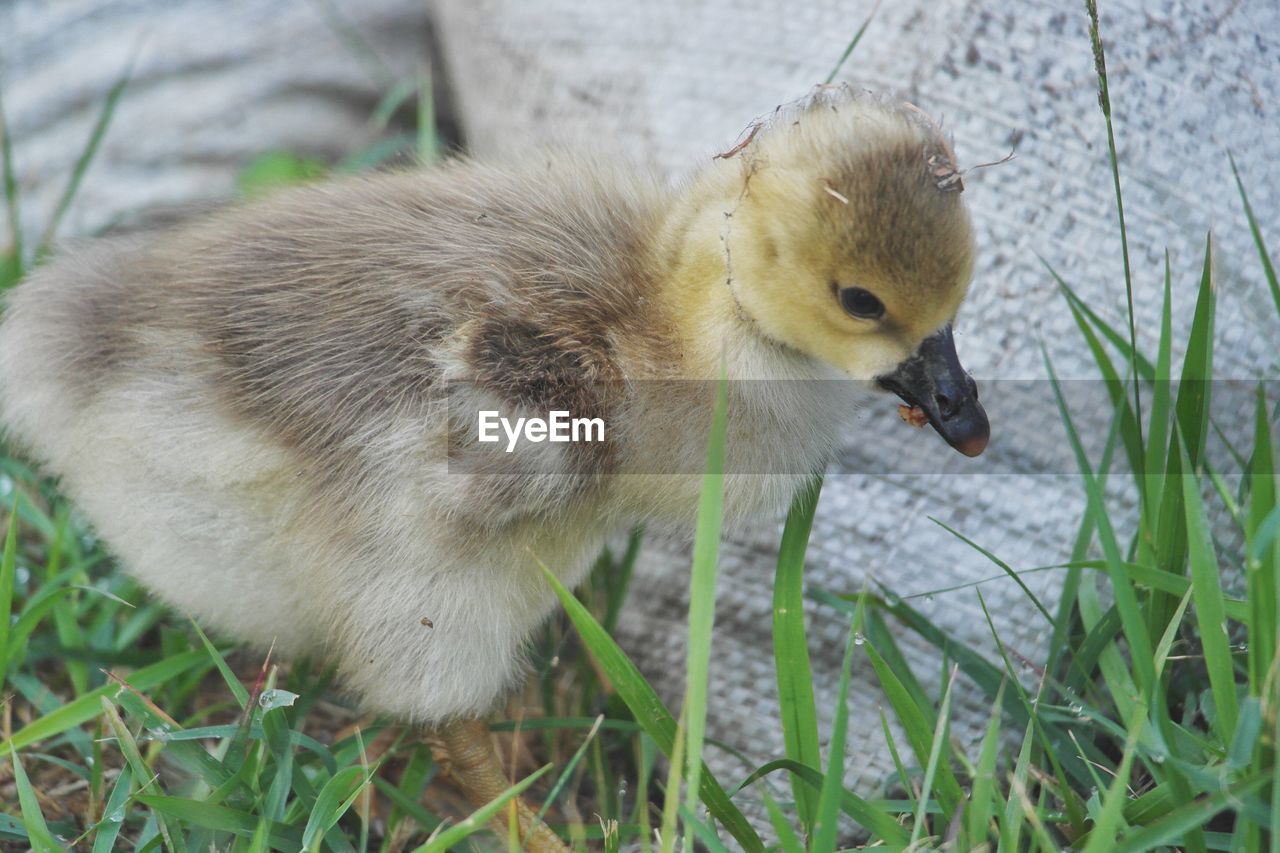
point(272, 414)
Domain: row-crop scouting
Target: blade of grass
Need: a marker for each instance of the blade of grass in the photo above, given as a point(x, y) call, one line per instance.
point(621, 578)
point(83, 162)
point(1011, 826)
point(1191, 414)
point(275, 731)
point(149, 837)
point(979, 810)
point(1005, 567)
point(113, 813)
point(827, 822)
point(917, 726)
point(1079, 599)
point(567, 773)
point(1167, 773)
point(648, 709)
point(895, 755)
point(428, 148)
point(126, 743)
point(645, 753)
point(853, 42)
point(8, 574)
point(335, 797)
point(233, 683)
point(791, 648)
point(1117, 339)
point(1104, 101)
point(481, 816)
point(671, 793)
point(399, 145)
point(1073, 808)
point(1197, 367)
point(359, 47)
point(1268, 269)
point(935, 755)
point(14, 259)
point(1176, 585)
point(1111, 819)
point(411, 806)
point(1171, 633)
point(1169, 829)
point(32, 818)
point(1032, 812)
point(222, 819)
point(702, 832)
point(259, 842)
point(702, 595)
point(394, 98)
point(1126, 421)
point(1247, 734)
point(128, 747)
point(1161, 403)
point(788, 840)
point(11, 829)
point(1274, 825)
point(1206, 587)
point(1261, 566)
point(863, 812)
point(876, 631)
point(1135, 627)
point(190, 756)
point(982, 672)
point(274, 170)
point(87, 706)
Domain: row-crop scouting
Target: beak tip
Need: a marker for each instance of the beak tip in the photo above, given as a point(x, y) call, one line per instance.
point(971, 434)
point(974, 445)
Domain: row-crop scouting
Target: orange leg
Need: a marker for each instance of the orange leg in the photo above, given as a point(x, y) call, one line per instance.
point(474, 767)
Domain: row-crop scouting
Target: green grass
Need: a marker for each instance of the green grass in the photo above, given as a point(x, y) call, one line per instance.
point(1153, 724)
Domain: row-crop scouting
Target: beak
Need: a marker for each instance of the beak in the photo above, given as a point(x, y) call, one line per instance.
point(933, 380)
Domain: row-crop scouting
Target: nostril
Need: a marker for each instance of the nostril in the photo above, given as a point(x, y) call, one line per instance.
point(947, 407)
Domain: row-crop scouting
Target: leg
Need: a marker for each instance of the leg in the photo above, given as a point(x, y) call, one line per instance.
point(474, 766)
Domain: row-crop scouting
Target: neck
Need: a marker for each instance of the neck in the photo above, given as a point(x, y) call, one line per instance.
point(698, 290)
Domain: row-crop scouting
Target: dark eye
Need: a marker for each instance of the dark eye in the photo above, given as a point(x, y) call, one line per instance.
point(861, 302)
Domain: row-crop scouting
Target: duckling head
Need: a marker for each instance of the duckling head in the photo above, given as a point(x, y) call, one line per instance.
point(849, 241)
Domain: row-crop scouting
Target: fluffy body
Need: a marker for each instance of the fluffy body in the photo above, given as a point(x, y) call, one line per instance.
point(269, 413)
